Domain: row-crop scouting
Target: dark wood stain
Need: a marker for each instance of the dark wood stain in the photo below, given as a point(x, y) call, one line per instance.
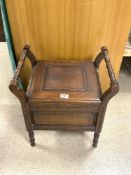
point(64, 95)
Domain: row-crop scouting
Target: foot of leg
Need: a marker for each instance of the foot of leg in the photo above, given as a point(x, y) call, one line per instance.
point(32, 139)
point(95, 140)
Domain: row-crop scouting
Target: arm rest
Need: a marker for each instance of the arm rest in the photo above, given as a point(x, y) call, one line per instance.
point(114, 87)
point(13, 86)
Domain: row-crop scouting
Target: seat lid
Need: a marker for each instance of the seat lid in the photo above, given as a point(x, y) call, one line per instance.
point(64, 81)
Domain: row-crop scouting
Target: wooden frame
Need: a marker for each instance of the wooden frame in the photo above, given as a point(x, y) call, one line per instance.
point(20, 94)
point(108, 94)
point(24, 100)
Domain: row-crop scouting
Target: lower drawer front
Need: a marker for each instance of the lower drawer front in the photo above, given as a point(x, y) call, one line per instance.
point(40, 118)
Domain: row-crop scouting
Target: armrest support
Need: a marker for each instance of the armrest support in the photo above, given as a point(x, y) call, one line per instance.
point(13, 86)
point(114, 87)
point(111, 91)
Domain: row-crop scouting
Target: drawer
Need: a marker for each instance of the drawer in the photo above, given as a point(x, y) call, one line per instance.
point(64, 119)
point(64, 106)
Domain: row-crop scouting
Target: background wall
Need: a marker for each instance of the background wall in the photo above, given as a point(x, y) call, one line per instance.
point(70, 29)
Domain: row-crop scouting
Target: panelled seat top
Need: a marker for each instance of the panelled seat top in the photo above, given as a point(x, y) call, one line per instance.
point(57, 81)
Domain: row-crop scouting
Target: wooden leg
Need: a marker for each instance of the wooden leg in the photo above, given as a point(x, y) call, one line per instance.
point(95, 140)
point(32, 139)
point(28, 123)
point(21, 95)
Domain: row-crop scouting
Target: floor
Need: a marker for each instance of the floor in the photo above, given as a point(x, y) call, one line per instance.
point(64, 153)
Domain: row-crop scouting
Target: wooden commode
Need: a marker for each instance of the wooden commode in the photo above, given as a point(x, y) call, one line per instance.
point(64, 95)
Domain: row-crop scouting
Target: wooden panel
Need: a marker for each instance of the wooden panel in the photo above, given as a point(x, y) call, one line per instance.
point(65, 78)
point(40, 118)
point(71, 29)
point(64, 106)
point(79, 86)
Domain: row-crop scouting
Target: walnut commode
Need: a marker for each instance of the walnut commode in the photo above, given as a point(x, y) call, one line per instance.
point(64, 95)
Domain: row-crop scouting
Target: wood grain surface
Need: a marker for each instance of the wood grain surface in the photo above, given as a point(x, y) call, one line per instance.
point(78, 105)
point(70, 29)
